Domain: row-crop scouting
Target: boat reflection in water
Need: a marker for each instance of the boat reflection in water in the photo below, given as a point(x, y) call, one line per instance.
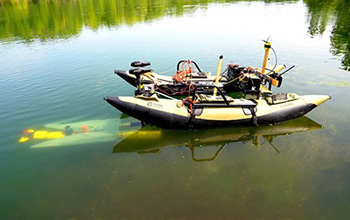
point(151, 139)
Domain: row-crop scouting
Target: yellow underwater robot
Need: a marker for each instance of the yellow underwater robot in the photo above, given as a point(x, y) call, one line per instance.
point(77, 133)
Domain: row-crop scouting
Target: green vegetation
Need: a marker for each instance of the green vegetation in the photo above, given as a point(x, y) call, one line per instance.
point(50, 19)
point(337, 13)
point(336, 84)
point(55, 19)
point(340, 39)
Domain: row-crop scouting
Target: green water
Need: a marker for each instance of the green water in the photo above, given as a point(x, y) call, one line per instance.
point(57, 62)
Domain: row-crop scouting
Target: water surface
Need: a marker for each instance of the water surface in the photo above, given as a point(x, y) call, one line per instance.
point(57, 62)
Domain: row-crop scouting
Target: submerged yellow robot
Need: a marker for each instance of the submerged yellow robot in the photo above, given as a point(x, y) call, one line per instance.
point(77, 133)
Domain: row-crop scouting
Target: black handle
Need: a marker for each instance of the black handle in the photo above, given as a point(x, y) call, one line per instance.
point(287, 70)
point(182, 61)
point(212, 86)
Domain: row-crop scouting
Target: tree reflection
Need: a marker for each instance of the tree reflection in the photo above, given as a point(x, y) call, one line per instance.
point(55, 19)
point(340, 39)
point(336, 12)
point(50, 19)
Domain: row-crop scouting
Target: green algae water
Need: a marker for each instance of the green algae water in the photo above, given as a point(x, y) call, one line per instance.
point(56, 64)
